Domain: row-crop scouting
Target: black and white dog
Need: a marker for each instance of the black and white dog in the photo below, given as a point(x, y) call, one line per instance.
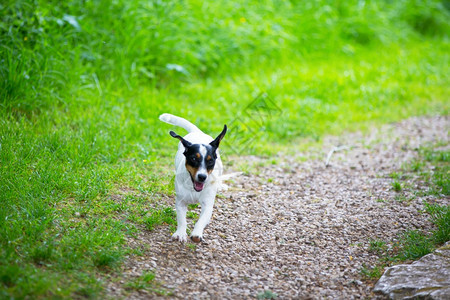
point(198, 175)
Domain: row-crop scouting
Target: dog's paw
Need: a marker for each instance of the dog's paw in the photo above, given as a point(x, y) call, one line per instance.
point(196, 238)
point(180, 236)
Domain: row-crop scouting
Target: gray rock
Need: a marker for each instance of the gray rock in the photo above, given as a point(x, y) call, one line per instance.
point(427, 278)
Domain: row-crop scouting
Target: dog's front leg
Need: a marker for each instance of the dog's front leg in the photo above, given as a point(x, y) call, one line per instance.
point(180, 234)
point(205, 217)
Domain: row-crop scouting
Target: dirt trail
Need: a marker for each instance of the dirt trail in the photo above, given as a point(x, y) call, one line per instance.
point(297, 229)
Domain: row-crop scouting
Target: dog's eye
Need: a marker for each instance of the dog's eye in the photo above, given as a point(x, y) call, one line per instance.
point(210, 162)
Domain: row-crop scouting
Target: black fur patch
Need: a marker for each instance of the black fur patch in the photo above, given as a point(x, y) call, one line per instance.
point(195, 159)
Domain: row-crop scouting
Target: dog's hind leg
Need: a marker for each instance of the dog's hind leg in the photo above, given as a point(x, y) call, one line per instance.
point(180, 234)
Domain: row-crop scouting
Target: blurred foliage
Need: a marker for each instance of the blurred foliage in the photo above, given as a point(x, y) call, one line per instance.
point(52, 46)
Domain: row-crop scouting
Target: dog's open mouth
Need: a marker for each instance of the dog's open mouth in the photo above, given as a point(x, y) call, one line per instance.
point(198, 186)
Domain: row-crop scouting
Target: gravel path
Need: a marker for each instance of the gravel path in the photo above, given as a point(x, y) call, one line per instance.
point(297, 228)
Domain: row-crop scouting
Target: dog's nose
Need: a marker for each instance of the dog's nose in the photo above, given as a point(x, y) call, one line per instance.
point(201, 177)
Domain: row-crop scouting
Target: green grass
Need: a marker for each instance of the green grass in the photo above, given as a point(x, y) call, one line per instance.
point(437, 180)
point(142, 282)
point(440, 217)
point(165, 215)
point(377, 246)
point(373, 273)
point(83, 157)
point(147, 282)
point(397, 186)
point(414, 244)
point(431, 167)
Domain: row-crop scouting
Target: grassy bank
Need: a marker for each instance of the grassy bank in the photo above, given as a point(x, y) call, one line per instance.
point(83, 157)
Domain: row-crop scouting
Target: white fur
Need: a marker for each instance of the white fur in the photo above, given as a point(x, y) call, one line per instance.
point(177, 121)
point(185, 193)
point(202, 170)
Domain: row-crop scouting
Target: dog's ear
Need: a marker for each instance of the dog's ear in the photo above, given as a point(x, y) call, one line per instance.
point(185, 143)
point(216, 142)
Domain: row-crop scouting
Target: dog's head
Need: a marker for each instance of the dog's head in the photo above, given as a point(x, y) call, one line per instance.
point(200, 158)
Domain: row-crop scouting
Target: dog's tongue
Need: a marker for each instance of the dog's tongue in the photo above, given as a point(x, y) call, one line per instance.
point(198, 186)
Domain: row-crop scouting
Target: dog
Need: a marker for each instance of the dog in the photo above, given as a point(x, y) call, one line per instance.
point(198, 175)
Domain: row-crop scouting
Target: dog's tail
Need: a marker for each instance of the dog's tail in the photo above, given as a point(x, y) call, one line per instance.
point(222, 178)
point(177, 121)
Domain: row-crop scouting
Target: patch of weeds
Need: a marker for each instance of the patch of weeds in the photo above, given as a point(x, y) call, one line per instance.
point(440, 217)
point(142, 282)
point(432, 168)
point(147, 282)
point(403, 198)
point(164, 215)
point(441, 181)
point(373, 273)
point(430, 155)
point(414, 244)
point(415, 165)
point(191, 246)
point(260, 164)
point(267, 294)
point(400, 198)
point(396, 185)
point(107, 259)
point(139, 251)
point(377, 246)
point(191, 215)
point(437, 179)
point(221, 196)
point(397, 175)
point(172, 228)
